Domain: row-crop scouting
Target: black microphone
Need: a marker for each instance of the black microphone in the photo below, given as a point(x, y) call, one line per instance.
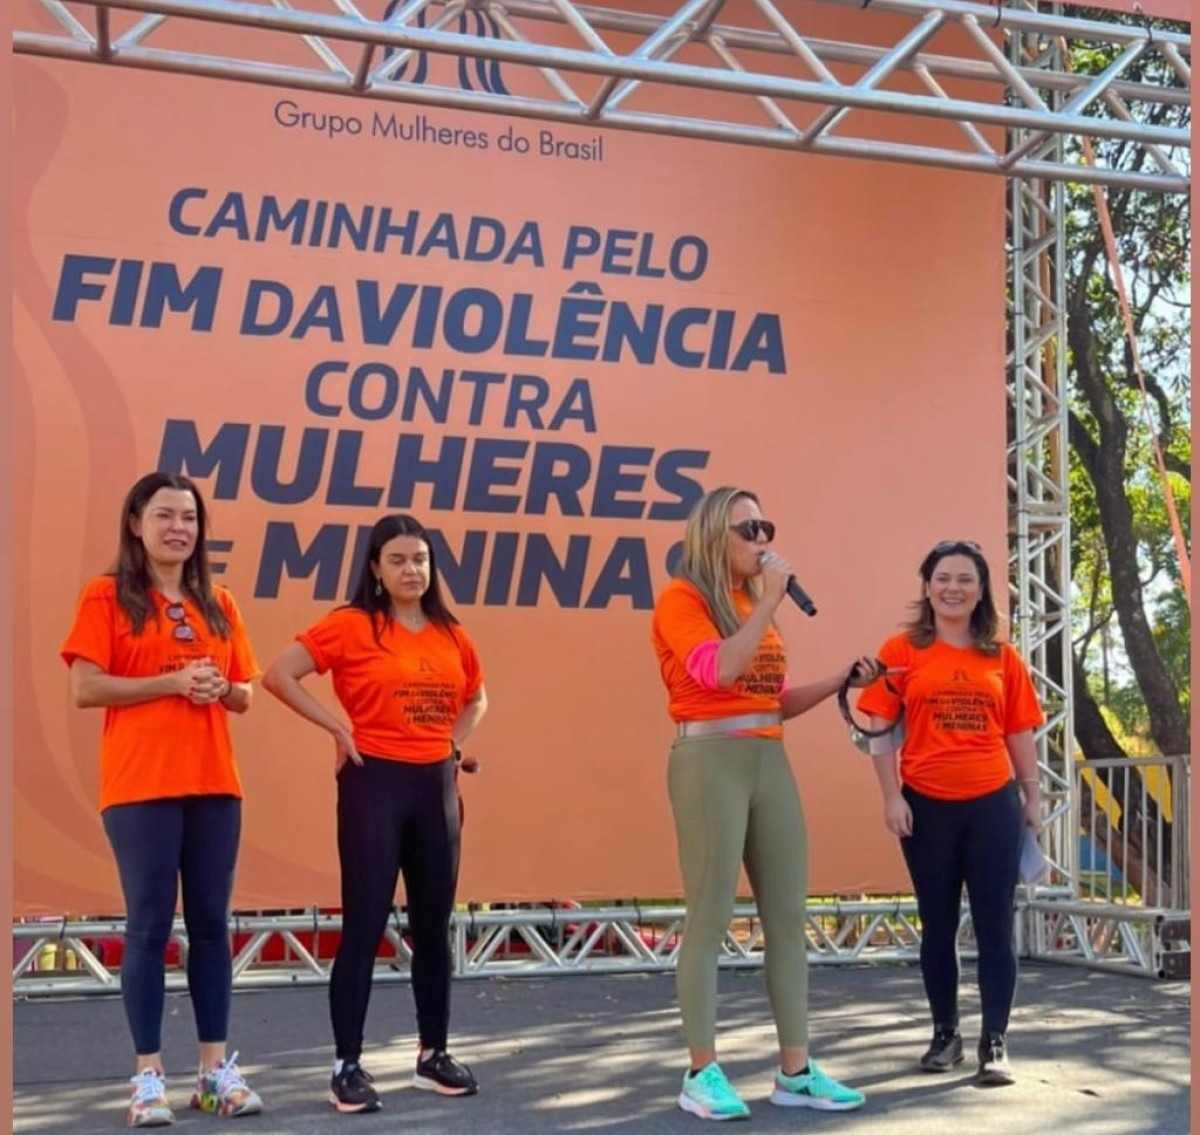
point(796, 593)
point(800, 597)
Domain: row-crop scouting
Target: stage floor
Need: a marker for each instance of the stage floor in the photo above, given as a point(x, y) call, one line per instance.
point(1094, 1053)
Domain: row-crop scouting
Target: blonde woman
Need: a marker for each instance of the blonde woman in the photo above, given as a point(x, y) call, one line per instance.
point(733, 796)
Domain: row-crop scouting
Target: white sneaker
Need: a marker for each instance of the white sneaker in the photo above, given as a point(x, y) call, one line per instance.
point(148, 1107)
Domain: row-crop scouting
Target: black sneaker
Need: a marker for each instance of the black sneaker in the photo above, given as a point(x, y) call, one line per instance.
point(440, 1072)
point(944, 1051)
point(350, 1089)
point(994, 1068)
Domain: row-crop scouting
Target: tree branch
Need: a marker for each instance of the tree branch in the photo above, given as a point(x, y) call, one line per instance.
point(1178, 465)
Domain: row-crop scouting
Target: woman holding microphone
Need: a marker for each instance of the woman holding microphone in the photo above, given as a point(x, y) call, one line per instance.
point(409, 680)
point(733, 795)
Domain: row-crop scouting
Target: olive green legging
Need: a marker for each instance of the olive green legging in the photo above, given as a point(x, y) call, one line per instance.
point(735, 801)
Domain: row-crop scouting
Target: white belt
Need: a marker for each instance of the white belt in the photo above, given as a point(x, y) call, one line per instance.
point(720, 725)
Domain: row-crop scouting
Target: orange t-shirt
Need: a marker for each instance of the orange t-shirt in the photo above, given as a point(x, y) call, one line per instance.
point(404, 693)
point(165, 747)
point(681, 623)
point(959, 706)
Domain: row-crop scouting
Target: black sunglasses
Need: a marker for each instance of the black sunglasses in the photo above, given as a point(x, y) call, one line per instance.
point(950, 545)
point(752, 529)
point(182, 630)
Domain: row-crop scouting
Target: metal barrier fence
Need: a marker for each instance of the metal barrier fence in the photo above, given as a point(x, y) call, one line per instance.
point(1131, 911)
point(1133, 814)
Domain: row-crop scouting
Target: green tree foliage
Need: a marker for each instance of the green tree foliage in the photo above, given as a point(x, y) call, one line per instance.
point(1131, 653)
point(1131, 619)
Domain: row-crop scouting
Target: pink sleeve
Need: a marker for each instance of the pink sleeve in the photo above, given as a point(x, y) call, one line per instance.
point(701, 664)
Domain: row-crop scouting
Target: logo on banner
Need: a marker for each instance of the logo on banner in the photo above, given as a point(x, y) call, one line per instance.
point(474, 74)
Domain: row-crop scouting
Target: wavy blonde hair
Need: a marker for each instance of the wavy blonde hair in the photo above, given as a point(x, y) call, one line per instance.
point(705, 560)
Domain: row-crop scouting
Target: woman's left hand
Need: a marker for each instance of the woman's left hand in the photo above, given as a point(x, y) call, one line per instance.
point(1031, 811)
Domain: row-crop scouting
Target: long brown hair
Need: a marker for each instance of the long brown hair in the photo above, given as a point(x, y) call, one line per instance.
point(985, 622)
point(705, 559)
point(132, 572)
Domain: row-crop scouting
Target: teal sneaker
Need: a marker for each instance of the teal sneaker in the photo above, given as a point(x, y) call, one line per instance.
point(814, 1089)
point(710, 1096)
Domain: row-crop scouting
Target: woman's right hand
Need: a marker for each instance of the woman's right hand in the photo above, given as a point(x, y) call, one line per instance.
point(199, 681)
point(776, 572)
point(897, 815)
point(345, 749)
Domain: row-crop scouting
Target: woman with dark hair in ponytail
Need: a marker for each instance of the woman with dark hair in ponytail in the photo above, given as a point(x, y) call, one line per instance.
point(164, 652)
point(408, 678)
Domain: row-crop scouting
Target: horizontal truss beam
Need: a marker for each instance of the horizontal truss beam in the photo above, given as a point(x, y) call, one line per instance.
point(526, 942)
point(539, 942)
point(1095, 108)
point(1143, 941)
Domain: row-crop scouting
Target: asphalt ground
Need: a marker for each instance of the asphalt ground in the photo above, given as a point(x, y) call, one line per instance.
point(1093, 1053)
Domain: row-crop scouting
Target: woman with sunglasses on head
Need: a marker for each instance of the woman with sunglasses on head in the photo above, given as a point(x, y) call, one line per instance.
point(969, 710)
point(165, 653)
point(732, 792)
point(409, 679)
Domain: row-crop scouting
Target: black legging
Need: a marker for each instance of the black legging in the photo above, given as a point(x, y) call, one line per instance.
point(976, 842)
point(158, 843)
point(395, 816)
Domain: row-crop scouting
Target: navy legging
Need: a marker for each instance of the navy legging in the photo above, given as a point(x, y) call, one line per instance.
point(158, 843)
point(976, 842)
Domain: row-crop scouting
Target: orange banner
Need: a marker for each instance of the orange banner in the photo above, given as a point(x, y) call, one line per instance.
point(544, 342)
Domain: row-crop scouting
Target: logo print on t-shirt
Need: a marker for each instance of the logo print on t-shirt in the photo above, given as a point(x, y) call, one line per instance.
point(765, 677)
point(958, 709)
point(427, 667)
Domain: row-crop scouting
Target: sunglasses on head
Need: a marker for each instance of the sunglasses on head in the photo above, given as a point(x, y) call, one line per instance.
point(950, 545)
point(182, 630)
point(752, 529)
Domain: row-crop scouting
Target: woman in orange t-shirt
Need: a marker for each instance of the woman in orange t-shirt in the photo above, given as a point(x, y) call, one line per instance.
point(733, 796)
point(969, 711)
point(166, 655)
point(408, 677)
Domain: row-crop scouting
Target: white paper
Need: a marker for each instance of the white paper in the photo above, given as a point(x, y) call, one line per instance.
point(1034, 864)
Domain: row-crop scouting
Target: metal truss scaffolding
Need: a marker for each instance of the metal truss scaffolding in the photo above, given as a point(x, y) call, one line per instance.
point(57, 957)
point(1038, 507)
point(297, 949)
point(1026, 138)
point(766, 81)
